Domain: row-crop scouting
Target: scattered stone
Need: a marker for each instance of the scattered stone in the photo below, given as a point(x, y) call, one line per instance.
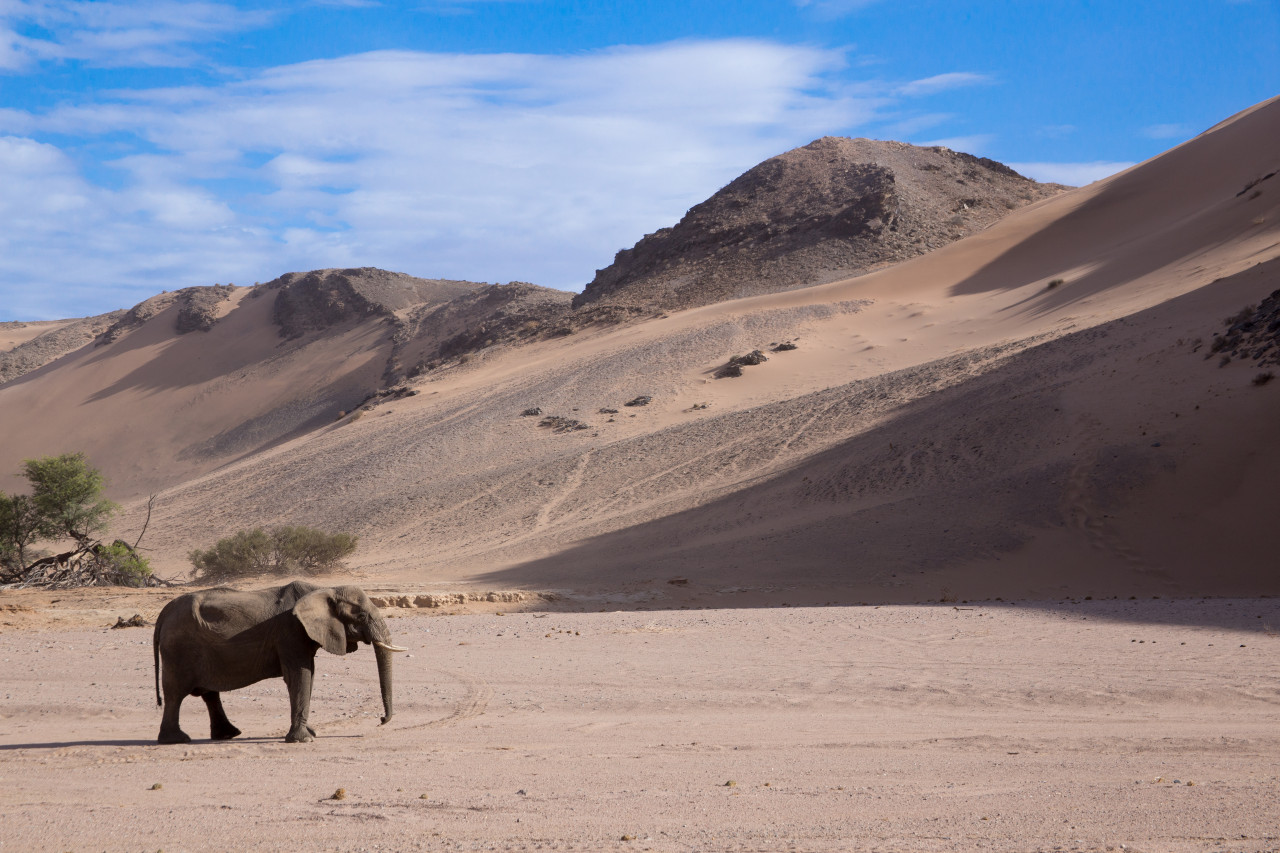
point(642, 400)
point(340, 794)
point(136, 621)
point(156, 787)
point(731, 784)
point(607, 411)
point(531, 412)
point(737, 362)
point(678, 581)
point(785, 346)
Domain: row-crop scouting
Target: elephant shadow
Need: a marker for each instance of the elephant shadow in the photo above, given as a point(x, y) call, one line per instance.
point(10, 747)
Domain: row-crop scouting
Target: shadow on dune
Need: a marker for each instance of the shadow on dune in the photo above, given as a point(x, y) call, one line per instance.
point(992, 488)
point(204, 358)
point(1259, 617)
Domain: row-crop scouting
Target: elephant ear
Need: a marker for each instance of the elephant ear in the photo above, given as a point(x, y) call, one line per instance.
point(315, 611)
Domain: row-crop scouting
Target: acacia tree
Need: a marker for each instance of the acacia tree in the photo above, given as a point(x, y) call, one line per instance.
point(66, 500)
point(67, 492)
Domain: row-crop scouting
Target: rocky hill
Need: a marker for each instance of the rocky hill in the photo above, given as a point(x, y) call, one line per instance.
point(30, 346)
point(833, 209)
point(316, 300)
point(431, 319)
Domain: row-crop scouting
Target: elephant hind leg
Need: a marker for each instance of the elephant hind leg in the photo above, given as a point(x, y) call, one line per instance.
point(170, 731)
point(220, 728)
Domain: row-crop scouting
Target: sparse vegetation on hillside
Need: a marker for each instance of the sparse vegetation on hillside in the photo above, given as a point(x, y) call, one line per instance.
point(280, 551)
point(66, 502)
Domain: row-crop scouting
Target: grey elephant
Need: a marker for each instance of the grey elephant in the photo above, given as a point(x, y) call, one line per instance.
point(224, 639)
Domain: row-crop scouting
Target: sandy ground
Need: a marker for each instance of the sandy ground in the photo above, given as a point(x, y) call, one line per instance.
point(1086, 725)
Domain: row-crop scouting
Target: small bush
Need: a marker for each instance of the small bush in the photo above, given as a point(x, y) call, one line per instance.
point(282, 551)
point(132, 569)
point(246, 553)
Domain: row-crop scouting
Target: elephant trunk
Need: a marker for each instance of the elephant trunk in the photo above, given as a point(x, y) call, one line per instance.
point(383, 655)
point(382, 649)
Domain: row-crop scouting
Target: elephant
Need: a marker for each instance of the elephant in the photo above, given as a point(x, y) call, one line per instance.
point(224, 639)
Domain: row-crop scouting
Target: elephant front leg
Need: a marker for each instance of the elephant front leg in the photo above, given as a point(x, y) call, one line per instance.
point(220, 728)
point(299, 680)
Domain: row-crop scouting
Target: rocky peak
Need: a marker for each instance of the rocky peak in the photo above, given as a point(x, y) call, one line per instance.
point(317, 300)
point(831, 209)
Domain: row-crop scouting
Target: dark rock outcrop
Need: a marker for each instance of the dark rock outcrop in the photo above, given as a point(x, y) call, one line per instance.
point(317, 300)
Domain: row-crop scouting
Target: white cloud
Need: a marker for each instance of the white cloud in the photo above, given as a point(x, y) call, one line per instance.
point(489, 168)
point(137, 33)
point(974, 144)
point(943, 83)
point(1071, 174)
point(1167, 131)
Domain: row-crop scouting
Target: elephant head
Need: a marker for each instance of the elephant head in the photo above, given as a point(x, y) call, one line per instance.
point(341, 617)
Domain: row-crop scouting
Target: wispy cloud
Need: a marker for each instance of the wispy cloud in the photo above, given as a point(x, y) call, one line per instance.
point(1167, 131)
point(943, 83)
point(974, 144)
point(494, 167)
point(139, 33)
point(1071, 174)
point(829, 9)
point(1056, 131)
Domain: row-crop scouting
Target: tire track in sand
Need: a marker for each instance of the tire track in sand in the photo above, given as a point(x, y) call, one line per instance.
point(474, 701)
point(571, 484)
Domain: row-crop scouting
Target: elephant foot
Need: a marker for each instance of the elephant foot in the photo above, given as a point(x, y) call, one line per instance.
point(178, 736)
point(302, 735)
point(225, 732)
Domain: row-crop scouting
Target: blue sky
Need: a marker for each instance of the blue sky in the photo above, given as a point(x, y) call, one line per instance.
point(151, 145)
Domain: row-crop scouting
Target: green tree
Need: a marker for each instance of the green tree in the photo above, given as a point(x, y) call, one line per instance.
point(20, 524)
point(67, 492)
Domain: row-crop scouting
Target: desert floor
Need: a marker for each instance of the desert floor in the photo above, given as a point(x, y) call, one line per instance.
point(1086, 725)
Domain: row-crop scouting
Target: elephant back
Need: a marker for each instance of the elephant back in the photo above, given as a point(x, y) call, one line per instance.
point(224, 613)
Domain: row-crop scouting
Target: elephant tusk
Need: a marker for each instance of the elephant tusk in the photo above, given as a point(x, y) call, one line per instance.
point(388, 646)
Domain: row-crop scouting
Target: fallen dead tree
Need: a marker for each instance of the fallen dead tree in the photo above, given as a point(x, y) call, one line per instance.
point(90, 564)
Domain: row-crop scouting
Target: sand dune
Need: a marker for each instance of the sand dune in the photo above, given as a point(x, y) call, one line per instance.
point(1025, 411)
